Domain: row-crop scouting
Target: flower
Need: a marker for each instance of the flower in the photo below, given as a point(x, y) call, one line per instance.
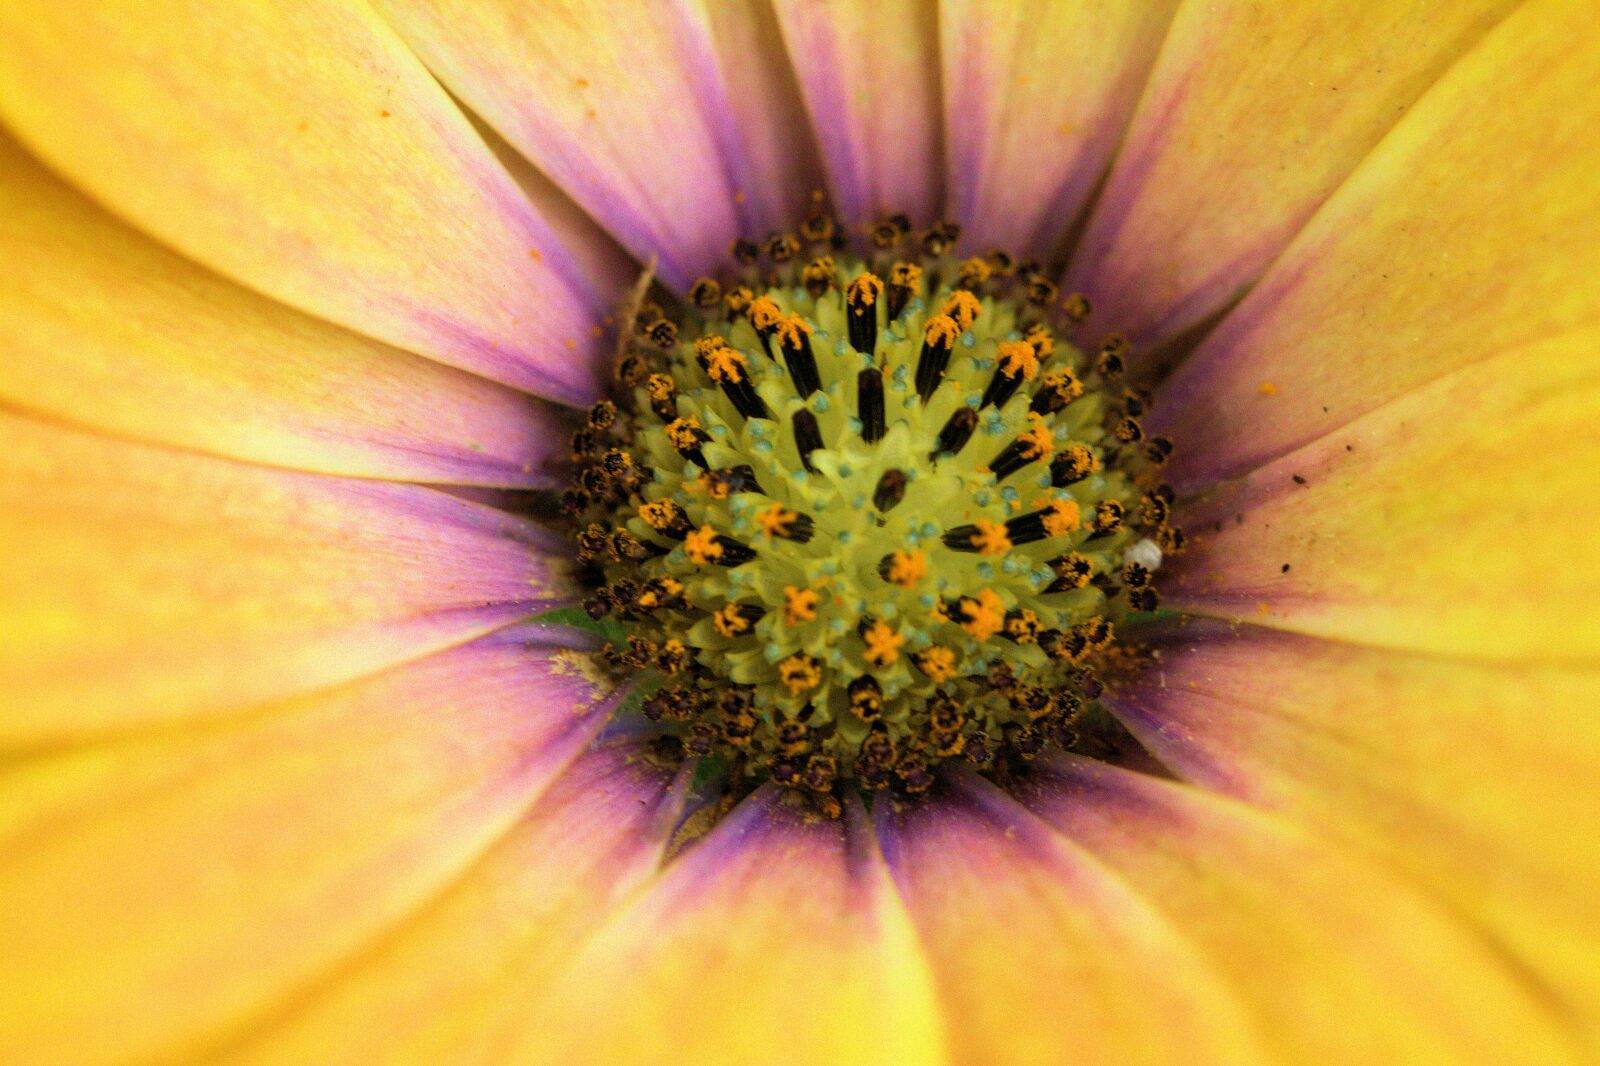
point(294, 773)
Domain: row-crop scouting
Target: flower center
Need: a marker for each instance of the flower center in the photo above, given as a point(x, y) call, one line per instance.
point(856, 517)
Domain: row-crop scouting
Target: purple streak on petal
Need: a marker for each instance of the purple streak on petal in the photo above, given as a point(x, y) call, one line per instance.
point(1164, 719)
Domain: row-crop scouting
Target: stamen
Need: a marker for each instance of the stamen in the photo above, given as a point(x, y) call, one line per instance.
point(904, 280)
point(963, 308)
point(938, 337)
point(1018, 363)
point(861, 305)
point(883, 644)
point(799, 605)
point(818, 276)
point(869, 404)
point(778, 521)
point(794, 338)
point(807, 436)
point(891, 490)
point(729, 368)
point(1030, 446)
point(956, 432)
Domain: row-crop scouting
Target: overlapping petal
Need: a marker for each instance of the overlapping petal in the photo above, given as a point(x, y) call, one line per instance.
point(162, 892)
point(143, 585)
point(103, 327)
point(777, 938)
point(1458, 519)
point(1044, 955)
point(1474, 780)
point(1468, 231)
point(1254, 113)
point(769, 117)
point(1036, 97)
point(869, 71)
point(458, 982)
point(301, 148)
point(624, 106)
point(1337, 960)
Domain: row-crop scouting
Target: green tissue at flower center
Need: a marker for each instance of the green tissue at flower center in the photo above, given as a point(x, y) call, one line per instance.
point(859, 518)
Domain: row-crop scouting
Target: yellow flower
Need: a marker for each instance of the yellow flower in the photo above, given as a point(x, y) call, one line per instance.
point(297, 768)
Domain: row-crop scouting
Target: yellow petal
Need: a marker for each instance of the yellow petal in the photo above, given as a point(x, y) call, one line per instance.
point(140, 585)
point(457, 982)
point(1043, 955)
point(869, 71)
point(1473, 780)
point(301, 148)
point(1471, 229)
point(778, 938)
point(1458, 519)
point(103, 327)
point(1036, 98)
point(1336, 959)
point(622, 105)
point(1254, 113)
point(161, 893)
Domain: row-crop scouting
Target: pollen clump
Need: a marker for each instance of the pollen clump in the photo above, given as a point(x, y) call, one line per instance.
point(907, 568)
point(991, 537)
point(799, 605)
point(883, 644)
point(854, 517)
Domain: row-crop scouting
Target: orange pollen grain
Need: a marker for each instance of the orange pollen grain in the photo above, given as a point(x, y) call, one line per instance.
point(883, 644)
point(799, 673)
point(938, 663)
point(1064, 382)
point(987, 618)
point(864, 291)
point(963, 307)
point(907, 568)
point(791, 329)
point(991, 538)
point(1036, 442)
point(1018, 357)
point(941, 330)
point(776, 520)
point(701, 545)
point(725, 364)
point(799, 605)
point(1062, 518)
point(765, 313)
point(682, 432)
point(1041, 340)
point(729, 622)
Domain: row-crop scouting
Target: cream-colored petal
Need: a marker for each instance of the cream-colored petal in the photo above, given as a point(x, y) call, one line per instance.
point(869, 71)
point(457, 982)
point(1473, 780)
point(1037, 94)
point(1337, 960)
point(140, 585)
point(1042, 954)
point(1254, 113)
point(625, 106)
point(1470, 229)
point(302, 149)
point(1458, 519)
point(778, 938)
point(103, 327)
point(162, 892)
